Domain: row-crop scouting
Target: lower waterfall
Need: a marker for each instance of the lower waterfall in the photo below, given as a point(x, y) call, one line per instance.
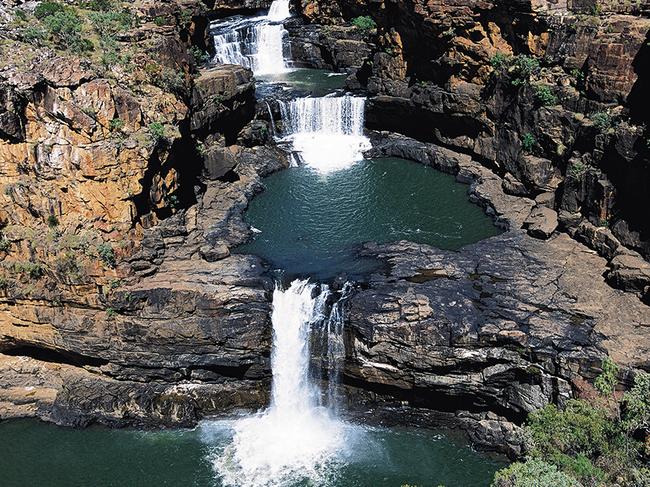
point(296, 438)
point(326, 133)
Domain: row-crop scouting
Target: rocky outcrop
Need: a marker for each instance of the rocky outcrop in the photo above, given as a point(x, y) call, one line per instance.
point(494, 331)
point(567, 123)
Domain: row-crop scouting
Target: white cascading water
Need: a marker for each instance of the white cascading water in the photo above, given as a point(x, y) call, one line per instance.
point(296, 438)
point(258, 43)
point(326, 133)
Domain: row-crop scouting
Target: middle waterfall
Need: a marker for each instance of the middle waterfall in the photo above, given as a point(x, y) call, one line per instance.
point(326, 133)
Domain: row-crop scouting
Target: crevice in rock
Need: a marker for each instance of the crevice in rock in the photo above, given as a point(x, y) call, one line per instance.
point(52, 356)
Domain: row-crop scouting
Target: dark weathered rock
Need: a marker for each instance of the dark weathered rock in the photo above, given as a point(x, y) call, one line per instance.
point(541, 223)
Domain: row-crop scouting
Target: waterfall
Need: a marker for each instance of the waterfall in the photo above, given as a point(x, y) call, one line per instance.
point(296, 438)
point(259, 43)
point(279, 11)
point(326, 133)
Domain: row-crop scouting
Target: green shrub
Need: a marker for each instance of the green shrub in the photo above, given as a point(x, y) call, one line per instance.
point(106, 254)
point(52, 221)
point(544, 95)
point(68, 267)
point(5, 244)
point(528, 143)
point(116, 124)
point(199, 55)
point(579, 429)
point(160, 21)
point(531, 473)
point(577, 169)
point(157, 131)
point(606, 381)
point(636, 404)
point(101, 5)
point(46, 9)
point(169, 80)
point(33, 34)
point(500, 60)
point(522, 67)
point(33, 270)
point(107, 23)
point(65, 27)
point(364, 23)
point(20, 16)
point(602, 121)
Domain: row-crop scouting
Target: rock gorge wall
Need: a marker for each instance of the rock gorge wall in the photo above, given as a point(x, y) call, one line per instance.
point(121, 302)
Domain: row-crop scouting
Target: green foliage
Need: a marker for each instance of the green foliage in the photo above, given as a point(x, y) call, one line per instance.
point(108, 23)
point(5, 244)
point(586, 441)
point(99, 5)
point(46, 9)
point(364, 23)
point(106, 254)
point(33, 270)
point(500, 60)
point(606, 381)
point(577, 169)
point(522, 68)
point(65, 28)
point(160, 21)
point(167, 79)
point(33, 34)
point(52, 221)
point(544, 95)
point(579, 429)
point(199, 55)
point(20, 16)
point(116, 124)
point(528, 143)
point(602, 121)
point(110, 313)
point(636, 404)
point(531, 473)
point(68, 268)
point(157, 131)
point(578, 75)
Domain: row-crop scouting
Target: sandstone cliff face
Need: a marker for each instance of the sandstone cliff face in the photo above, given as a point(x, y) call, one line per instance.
point(119, 300)
point(568, 129)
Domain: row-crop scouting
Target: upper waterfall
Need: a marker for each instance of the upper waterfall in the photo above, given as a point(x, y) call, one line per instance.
point(259, 43)
point(326, 133)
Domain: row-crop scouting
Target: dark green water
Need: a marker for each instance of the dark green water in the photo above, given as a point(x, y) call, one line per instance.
point(34, 454)
point(312, 223)
point(319, 82)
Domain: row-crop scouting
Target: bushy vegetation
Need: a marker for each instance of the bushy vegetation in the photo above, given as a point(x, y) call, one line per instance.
point(157, 131)
point(106, 254)
point(544, 95)
point(518, 68)
point(364, 23)
point(528, 143)
point(588, 443)
point(533, 472)
point(577, 169)
point(602, 121)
